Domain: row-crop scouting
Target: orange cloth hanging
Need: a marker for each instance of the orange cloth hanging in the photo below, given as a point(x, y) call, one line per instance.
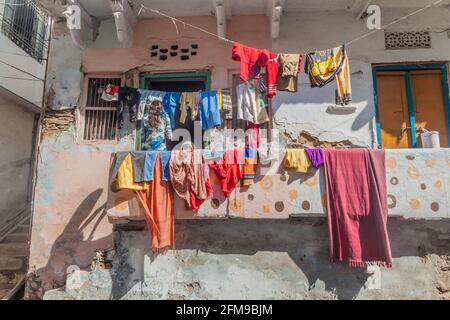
point(157, 202)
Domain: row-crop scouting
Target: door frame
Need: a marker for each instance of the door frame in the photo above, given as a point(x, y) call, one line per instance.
point(205, 75)
point(412, 67)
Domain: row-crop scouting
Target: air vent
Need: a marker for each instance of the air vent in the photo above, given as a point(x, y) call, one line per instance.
point(407, 40)
point(173, 51)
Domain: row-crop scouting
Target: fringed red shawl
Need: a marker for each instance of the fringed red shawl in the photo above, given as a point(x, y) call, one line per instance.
point(357, 207)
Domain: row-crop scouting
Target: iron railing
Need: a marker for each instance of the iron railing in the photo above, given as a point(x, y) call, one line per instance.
point(100, 117)
point(24, 23)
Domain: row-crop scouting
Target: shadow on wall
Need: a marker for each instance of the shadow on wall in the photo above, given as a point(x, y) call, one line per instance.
point(365, 116)
point(305, 240)
point(70, 248)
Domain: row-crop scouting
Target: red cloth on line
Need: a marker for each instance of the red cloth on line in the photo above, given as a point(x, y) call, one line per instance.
point(195, 202)
point(228, 170)
point(357, 207)
point(252, 60)
point(272, 68)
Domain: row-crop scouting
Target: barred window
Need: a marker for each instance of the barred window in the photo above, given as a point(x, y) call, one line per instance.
point(99, 116)
point(24, 23)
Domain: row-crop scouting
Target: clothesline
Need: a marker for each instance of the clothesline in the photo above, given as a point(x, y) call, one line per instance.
point(155, 177)
point(175, 20)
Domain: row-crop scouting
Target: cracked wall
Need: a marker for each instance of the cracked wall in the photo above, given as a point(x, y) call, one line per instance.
point(307, 112)
point(245, 259)
point(70, 222)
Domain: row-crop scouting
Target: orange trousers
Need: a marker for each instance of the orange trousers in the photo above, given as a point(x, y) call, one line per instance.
point(157, 202)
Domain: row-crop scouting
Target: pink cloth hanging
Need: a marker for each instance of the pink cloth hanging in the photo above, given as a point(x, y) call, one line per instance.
point(357, 207)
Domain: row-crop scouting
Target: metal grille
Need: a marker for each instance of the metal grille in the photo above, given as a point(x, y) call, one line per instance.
point(24, 23)
point(100, 116)
point(407, 40)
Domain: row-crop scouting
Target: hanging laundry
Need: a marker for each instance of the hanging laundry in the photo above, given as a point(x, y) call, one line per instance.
point(147, 97)
point(111, 93)
point(228, 170)
point(138, 160)
point(251, 105)
point(227, 106)
point(125, 176)
point(214, 139)
point(251, 60)
point(272, 75)
point(209, 110)
point(269, 152)
point(219, 100)
point(315, 156)
point(171, 102)
point(189, 100)
point(355, 182)
point(117, 161)
point(187, 175)
point(149, 164)
point(253, 141)
point(215, 155)
point(325, 66)
point(289, 69)
point(156, 128)
point(249, 167)
point(195, 202)
point(157, 201)
point(189, 125)
point(130, 97)
point(130, 78)
point(262, 86)
point(297, 159)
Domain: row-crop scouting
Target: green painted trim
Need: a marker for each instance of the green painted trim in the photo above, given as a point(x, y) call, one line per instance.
point(206, 75)
point(412, 117)
point(377, 111)
point(175, 75)
point(445, 86)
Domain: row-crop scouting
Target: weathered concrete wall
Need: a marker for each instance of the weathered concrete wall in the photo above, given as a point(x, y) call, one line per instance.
point(213, 55)
point(69, 215)
point(69, 220)
point(16, 141)
point(306, 111)
point(267, 259)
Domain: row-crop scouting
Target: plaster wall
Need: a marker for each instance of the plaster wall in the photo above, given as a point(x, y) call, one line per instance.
point(266, 259)
point(31, 90)
point(16, 140)
point(307, 110)
point(70, 221)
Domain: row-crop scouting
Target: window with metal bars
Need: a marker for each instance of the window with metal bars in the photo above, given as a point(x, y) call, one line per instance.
point(99, 116)
point(25, 24)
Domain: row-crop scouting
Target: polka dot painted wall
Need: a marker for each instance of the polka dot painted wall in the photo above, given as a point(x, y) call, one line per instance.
point(418, 186)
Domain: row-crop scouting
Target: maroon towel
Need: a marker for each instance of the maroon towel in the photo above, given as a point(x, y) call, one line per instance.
point(357, 207)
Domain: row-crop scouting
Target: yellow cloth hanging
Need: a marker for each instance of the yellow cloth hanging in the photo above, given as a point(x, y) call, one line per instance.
point(125, 177)
point(321, 68)
point(219, 99)
point(297, 159)
point(188, 100)
point(343, 81)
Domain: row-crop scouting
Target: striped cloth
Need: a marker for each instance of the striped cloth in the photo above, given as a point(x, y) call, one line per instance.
point(227, 105)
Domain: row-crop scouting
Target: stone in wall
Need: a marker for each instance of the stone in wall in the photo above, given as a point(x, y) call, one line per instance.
point(56, 121)
point(307, 140)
